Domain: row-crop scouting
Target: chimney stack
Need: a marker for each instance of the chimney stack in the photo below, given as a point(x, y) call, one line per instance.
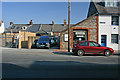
point(31, 22)
point(11, 23)
point(2, 22)
point(64, 22)
point(52, 22)
point(52, 25)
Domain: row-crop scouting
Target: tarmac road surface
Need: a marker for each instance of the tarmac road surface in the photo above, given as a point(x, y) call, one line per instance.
point(43, 63)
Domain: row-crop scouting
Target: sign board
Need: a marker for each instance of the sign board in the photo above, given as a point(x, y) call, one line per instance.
point(119, 36)
point(80, 35)
point(80, 32)
point(65, 37)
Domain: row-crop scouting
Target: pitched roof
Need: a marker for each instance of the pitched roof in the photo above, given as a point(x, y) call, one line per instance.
point(101, 9)
point(59, 27)
point(34, 28)
point(38, 28)
point(17, 28)
point(51, 28)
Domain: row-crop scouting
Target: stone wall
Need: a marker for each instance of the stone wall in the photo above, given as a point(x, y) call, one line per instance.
point(90, 24)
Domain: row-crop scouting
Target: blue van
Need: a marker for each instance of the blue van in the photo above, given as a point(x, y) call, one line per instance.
point(43, 42)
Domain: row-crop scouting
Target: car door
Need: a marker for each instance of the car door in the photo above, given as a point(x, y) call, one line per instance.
point(95, 47)
point(85, 46)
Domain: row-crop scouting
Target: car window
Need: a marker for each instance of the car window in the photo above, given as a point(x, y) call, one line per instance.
point(84, 44)
point(43, 39)
point(94, 44)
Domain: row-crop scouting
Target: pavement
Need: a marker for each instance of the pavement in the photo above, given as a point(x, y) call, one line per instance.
point(50, 63)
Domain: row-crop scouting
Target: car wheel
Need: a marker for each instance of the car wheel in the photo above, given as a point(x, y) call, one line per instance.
point(80, 52)
point(107, 53)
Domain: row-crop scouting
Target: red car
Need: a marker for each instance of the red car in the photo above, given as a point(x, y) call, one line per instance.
point(91, 47)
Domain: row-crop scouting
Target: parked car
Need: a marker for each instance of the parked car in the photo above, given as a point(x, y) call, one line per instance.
point(91, 47)
point(43, 42)
point(34, 44)
point(52, 41)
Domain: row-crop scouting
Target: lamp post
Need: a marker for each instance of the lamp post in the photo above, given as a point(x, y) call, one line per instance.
point(69, 10)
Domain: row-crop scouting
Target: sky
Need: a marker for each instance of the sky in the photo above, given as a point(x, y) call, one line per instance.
point(43, 12)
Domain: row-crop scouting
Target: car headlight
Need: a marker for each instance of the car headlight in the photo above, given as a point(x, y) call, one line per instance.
point(37, 43)
point(47, 43)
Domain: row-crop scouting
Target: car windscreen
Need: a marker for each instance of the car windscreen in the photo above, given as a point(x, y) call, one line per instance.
point(44, 39)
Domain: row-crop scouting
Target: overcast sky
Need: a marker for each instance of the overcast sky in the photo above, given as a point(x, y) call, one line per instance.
point(42, 12)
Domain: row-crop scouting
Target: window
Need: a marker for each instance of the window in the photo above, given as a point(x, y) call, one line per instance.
point(84, 44)
point(66, 37)
point(17, 27)
point(94, 44)
point(114, 38)
point(115, 20)
point(24, 28)
point(12, 27)
point(111, 3)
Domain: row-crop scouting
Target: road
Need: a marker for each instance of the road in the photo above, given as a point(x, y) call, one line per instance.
point(43, 63)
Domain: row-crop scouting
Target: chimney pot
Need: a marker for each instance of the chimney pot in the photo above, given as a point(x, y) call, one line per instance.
point(31, 22)
point(64, 22)
point(11, 23)
point(52, 22)
point(2, 22)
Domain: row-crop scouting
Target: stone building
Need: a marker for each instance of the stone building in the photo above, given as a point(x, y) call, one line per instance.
point(102, 25)
point(108, 22)
point(85, 30)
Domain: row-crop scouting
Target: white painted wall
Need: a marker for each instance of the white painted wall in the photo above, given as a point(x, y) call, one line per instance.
point(2, 28)
point(119, 33)
point(105, 28)
point(119, 37)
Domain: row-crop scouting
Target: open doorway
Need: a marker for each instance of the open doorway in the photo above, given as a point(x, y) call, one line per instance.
point(80, 35)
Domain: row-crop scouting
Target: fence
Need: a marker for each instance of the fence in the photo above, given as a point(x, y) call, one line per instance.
point(19, 40)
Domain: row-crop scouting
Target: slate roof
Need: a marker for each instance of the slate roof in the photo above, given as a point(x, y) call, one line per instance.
point(101, 9)
point(34, 28)
point(16, 28)
point(37, 28)
point(59, 27)
point(50, 28)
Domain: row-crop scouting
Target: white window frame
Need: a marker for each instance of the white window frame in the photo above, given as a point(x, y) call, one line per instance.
point(24, 27)
point(112, 21)
point(65, 37)
point(111, 3)
point(114, 39)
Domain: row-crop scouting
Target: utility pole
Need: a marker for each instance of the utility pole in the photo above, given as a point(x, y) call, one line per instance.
point(69, 25)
